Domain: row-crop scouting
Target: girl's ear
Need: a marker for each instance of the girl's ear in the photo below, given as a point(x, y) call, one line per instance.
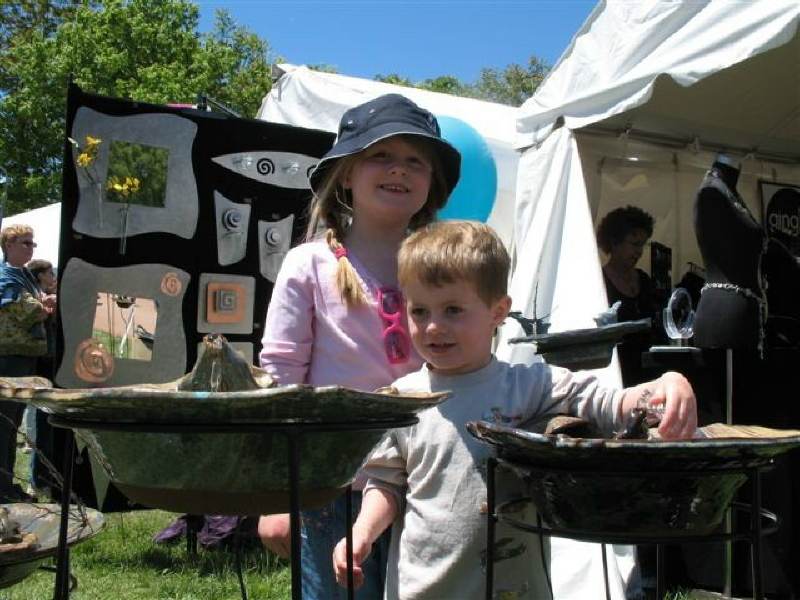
point(346, 178)
point(500, 310)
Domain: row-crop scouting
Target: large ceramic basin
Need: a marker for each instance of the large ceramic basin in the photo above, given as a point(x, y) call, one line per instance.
point(227, 452)
point(217, 439)
point(636, 488)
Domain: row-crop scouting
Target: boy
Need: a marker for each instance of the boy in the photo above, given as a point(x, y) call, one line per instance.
point(454, 275)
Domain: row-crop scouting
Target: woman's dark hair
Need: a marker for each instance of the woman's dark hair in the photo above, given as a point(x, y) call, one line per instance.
point(619, 223)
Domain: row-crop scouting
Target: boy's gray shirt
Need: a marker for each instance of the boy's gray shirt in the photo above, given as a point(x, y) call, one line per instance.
point(436, 471)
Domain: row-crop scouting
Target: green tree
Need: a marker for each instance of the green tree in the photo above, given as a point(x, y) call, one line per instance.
point(147, 50)
point(394, 79)
point(513, 85)
point(446, 84)
point(19, 19)
point(323, 68)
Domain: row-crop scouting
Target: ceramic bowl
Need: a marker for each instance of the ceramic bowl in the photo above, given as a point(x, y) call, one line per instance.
point(43, 520)
point(160, 449)
point(635, 488)
point(582, 348)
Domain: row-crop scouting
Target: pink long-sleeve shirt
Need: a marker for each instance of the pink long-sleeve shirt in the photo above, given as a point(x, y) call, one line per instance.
point(311, 336)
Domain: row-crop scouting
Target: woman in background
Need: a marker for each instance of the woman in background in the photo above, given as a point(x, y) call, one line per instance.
point(23, 310)
point(622, 235)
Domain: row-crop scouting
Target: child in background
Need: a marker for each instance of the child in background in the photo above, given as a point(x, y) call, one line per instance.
point(37, 425)
point(336, 316)
point(432, 475)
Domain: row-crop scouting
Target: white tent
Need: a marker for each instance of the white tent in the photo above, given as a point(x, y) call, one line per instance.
point(46, 222)
point(316, 100)
point(633, 113)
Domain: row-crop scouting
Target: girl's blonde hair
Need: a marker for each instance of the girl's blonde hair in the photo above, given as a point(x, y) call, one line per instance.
point(332, 207)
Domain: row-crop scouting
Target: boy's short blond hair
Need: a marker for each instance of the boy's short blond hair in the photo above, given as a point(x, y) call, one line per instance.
point(450, 251)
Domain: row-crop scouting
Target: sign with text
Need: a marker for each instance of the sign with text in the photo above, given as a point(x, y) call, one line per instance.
point(781, 202)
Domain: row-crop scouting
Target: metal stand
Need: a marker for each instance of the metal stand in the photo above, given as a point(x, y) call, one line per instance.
point(292, 431)
point(62, 571)
point(756, 531)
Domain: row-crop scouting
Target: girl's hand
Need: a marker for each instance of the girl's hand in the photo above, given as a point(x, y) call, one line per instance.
point(361, 549)
point(49, 303)
point(276, 533)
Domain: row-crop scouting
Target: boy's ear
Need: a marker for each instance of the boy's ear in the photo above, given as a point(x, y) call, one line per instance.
point(500, 310)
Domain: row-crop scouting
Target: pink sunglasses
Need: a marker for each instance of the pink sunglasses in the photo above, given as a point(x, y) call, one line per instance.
point(395, 337)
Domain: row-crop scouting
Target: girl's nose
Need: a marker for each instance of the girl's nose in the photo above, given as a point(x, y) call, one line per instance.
point(397, 165)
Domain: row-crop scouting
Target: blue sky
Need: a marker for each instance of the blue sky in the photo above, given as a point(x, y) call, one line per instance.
point(412, 38)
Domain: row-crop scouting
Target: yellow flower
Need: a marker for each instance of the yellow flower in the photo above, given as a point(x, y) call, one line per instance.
point(125, 187)
point(89, 151)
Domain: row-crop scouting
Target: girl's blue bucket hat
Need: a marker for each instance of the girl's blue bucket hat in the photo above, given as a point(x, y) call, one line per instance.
point(383, 117)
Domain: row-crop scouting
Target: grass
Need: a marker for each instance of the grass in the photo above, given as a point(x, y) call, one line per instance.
point(123, 563)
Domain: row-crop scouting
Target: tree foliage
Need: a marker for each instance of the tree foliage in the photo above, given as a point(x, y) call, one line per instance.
point(147, 50)
point(18, 19)
point(512, 85)
point(394, 79)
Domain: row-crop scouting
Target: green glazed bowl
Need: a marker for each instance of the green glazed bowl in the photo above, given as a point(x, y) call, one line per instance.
point(44, 521)
point(226, 452)
point(635, 489)
point(185, 448)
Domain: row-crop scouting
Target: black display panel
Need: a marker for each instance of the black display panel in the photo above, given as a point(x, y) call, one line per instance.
point(174, 222)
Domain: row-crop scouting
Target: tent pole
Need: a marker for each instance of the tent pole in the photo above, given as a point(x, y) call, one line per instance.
point(727, 567)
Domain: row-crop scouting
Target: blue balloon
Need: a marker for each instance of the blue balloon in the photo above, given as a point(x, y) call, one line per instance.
point(474, 196)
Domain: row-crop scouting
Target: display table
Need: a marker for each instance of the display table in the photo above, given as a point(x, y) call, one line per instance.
point(293, 431)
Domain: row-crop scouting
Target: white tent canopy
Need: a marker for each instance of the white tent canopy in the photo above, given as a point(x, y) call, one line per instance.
point(633, 113)
point(316, 100)
point(678, 68)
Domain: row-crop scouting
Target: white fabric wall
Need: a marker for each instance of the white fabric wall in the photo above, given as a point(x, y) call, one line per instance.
point(556, 264)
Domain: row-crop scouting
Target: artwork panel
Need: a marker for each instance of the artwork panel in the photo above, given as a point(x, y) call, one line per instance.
point(144, 141)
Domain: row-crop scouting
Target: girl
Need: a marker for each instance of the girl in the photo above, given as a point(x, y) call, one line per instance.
point(336, 316)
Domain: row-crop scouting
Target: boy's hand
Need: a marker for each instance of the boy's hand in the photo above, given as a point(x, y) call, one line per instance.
point(361, 549)
point(675, 394)
point(680, 406)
